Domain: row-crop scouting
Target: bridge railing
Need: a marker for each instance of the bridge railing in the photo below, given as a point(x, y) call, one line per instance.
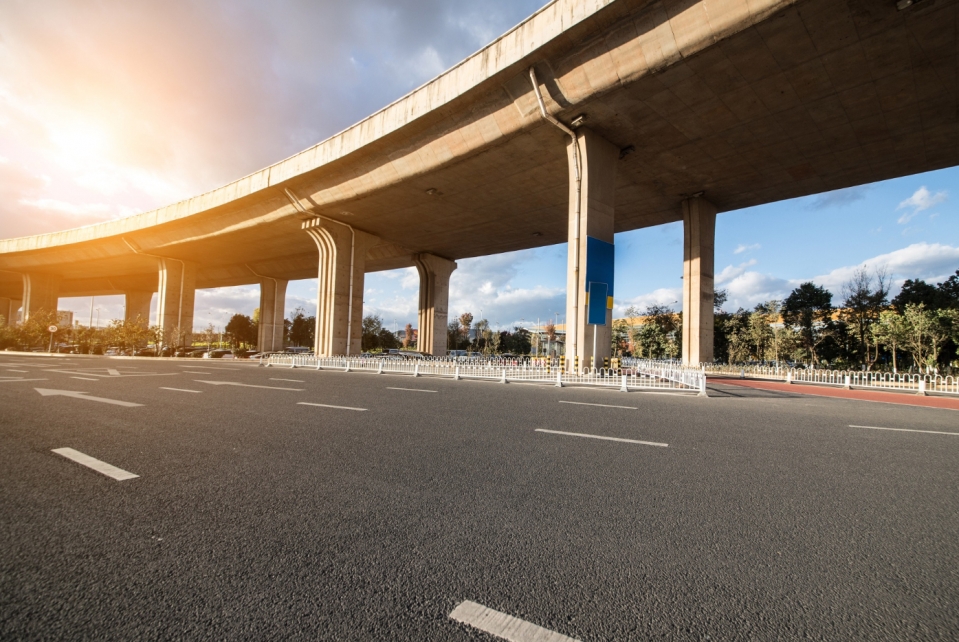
point(901, 382)
point(635, 376)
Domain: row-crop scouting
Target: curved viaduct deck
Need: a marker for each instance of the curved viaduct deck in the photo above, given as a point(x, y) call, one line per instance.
point(746, 101)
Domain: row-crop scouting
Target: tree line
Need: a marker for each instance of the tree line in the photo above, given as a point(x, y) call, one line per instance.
point(918, 329)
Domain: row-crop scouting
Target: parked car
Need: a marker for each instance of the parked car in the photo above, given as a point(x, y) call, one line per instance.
point(218, 354)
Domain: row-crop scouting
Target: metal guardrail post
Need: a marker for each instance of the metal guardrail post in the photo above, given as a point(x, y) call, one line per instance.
point(922, 387)
point(559, 379)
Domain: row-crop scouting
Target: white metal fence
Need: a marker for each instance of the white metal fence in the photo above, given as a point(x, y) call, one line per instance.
point(629, 376)
point(902, 382)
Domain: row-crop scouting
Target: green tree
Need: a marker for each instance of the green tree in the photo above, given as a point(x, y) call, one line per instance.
point(808, 309)
point(926, 330)
point(302, 328)
point(917, 292)
point(372, 326)
point(454, 334)
point(466, 322)
point(863, 302)
point(240, 330)
point(33, 332)
point(408, 341)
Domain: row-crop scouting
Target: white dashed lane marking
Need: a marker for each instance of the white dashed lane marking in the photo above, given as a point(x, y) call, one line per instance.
point(100, 466)
point(180, 390)
point(601, 405)
point(291, 380)
point(580, 434)
point(930, 432)
point(410, 389)
point(324, 405)
point(504, 626)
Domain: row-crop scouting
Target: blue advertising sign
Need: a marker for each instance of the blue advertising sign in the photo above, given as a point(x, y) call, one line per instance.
point(596, 303)
point(599, 262)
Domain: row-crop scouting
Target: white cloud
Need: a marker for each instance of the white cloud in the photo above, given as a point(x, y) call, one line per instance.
point(670, 297)
point(921, 200)
point(730, 272)
point(64, 207)
point(746, 248)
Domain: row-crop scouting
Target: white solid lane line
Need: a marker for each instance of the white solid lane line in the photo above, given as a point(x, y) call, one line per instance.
point(323, 405)
point(504, 626)
point(410, 389)
point(85, 378)
point(97, 465)
point(602, 405)
point(291, 380)
point(180, 389)
point(930, 432)
point(580, 434)
point(195, 372)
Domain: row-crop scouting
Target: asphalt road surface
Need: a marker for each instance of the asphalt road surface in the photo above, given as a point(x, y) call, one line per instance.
point(747, 515)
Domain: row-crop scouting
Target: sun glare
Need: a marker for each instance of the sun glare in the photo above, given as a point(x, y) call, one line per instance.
point(81, 142)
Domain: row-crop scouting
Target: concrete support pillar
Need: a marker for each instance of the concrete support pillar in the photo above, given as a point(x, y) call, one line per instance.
point(8, 310)
point(272, 305)
point(175, 299)
point(138, 306)
point(591, 258)
point(40, 292)
point(434, 302)
point(699, 233)
point(339, 301)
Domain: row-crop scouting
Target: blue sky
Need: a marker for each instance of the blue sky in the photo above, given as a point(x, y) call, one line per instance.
point(115, 108)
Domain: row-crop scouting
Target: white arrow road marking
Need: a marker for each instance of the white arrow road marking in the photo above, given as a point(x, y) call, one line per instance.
point(95, 464)
point(112, 371)
point(180, 389)
point(246, 385)
point(579, 434)
point(504, 626)
point(323, 405)
point(46, 392)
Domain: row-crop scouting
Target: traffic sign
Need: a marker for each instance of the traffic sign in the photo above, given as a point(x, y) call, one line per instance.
point(52, 328)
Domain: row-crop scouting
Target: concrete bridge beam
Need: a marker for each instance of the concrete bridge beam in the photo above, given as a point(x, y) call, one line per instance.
point(339, 301)
point(699, 234)
point(175, 300)
point(272, 305)
point(40, 292)
point(138, 306)
point(433, 314)
point(590, 248)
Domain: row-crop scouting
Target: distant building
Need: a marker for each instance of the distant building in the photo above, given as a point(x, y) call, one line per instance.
point(65, 318)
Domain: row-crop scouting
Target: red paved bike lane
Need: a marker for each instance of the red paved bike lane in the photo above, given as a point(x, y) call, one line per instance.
point(841, 393)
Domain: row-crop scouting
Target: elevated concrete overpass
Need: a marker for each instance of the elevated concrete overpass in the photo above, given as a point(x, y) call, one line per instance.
point(679, 108)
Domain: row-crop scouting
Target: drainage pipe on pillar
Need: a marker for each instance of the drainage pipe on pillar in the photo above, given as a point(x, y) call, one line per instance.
point(349, 307)
point(276, 290)
point(179, 310)
point(577, 205)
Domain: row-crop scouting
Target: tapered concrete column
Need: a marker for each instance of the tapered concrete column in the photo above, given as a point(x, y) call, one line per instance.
point(175, 299)
point(699, 233)
point(272, 305)
point(8, 310)
point(339, 300)
point(593, 263)
point(434, 302)
point(138, 306)
point(40, 292)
